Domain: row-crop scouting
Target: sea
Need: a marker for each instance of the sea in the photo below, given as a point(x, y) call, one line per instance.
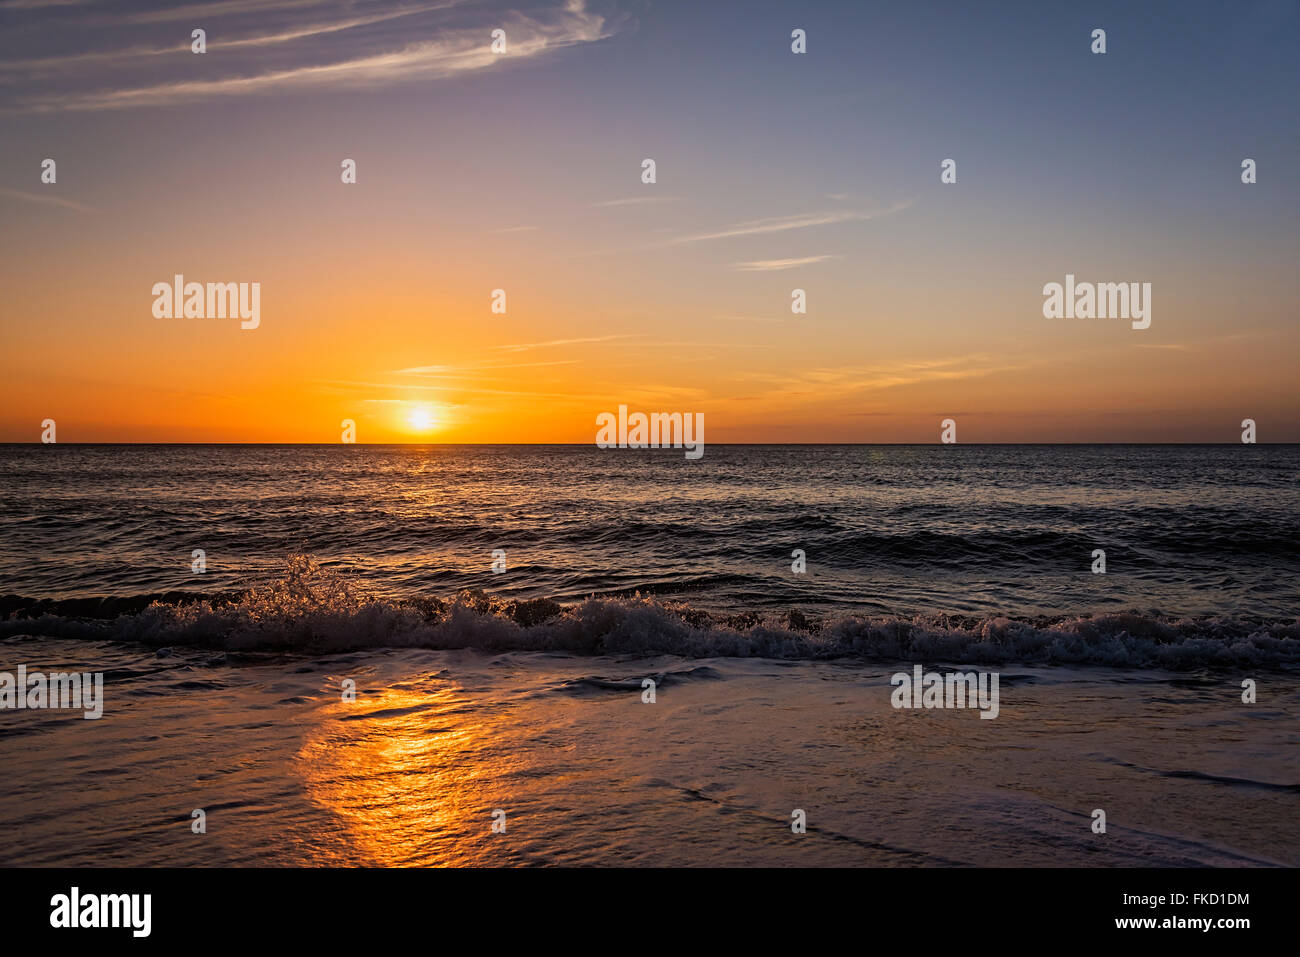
point(527, 655)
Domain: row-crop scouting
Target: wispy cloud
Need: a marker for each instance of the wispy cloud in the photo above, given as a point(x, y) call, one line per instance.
point(132, 55)
point(636, 201)
point(47, 200)
point(781, 224)
point(85, 60)
point(218, 8)
point(773, 265)
point(347, 386)
point(472, 371)
point(847, 381)
point(391, 59)
point(524, 346)
point(1201, 345)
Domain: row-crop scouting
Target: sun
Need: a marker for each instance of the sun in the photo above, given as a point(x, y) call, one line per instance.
point(421, 419)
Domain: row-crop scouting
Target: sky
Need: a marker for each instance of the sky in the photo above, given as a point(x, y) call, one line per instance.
point(523, 171)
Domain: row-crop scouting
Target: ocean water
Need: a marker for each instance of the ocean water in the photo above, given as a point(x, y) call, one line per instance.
point(522, 691)
point(956, 546)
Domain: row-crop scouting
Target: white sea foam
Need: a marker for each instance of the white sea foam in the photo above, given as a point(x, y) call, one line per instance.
point(312, 611)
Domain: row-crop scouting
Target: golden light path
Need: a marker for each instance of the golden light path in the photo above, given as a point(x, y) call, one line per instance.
point(411, 776)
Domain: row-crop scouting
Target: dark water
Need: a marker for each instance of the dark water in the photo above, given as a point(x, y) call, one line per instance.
point(1200, 541)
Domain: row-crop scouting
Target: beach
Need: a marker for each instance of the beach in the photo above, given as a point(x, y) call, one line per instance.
point(587, 773)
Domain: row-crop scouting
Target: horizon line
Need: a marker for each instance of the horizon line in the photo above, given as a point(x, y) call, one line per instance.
point(653, 449)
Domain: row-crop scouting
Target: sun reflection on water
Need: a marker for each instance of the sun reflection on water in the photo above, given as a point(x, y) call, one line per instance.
point(411, 776)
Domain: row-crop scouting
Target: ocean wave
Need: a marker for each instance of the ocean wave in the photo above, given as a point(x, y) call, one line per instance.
point(595, 685)
point(315, 611)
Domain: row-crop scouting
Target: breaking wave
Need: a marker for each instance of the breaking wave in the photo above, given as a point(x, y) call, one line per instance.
point(314, 611)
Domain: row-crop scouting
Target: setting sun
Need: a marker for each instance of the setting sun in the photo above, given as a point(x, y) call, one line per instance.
point(421, 419)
